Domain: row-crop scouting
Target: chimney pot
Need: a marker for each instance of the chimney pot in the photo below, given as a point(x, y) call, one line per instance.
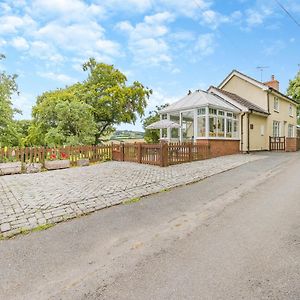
point(273, 83)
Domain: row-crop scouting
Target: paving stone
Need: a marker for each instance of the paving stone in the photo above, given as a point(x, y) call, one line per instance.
point(5, 227)
point(40, 198)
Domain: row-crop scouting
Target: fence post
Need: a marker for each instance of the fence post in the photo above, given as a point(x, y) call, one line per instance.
point(121, 152)
point(164, 155)
point(139, 153)
point(190, 152)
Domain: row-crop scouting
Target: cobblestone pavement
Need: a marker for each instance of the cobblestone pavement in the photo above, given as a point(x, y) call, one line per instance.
point(31, 200)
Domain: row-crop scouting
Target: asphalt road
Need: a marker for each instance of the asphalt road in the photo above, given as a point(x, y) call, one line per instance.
point(235, 235)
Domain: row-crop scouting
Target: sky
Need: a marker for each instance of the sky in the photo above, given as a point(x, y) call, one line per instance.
point(170, 46)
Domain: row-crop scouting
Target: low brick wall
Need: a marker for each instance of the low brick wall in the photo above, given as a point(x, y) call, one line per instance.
point(221, 147)
point(291, 144)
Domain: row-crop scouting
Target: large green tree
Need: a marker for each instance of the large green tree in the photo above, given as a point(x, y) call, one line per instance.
point(9, 135)
point(60, 118)
point(294, 91)
point(113, 101)
point(85, 112)
point(152, 135)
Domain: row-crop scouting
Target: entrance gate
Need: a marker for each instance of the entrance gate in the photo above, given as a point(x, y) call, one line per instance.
point(277, 143)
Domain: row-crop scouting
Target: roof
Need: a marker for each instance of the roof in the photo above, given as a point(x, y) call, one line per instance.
point(197, 99)
point(244, 102)
point(163, 124)
point(254, 82)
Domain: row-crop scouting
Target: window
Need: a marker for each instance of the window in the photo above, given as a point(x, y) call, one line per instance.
point(276, 129)
point(164, 133)
point(229, 125)
point(290, 110)
point(291, 131)
point(164, 117)
point(174, 133)
point(221, 113)
point(276, 104)
point(229, 115)
point(221, 127)
point(213, 126)
point(235, 129)
point(201, 126)
point(201, 111)
point(212, 111)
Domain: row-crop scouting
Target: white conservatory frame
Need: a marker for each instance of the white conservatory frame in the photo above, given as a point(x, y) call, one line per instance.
point(207, 112)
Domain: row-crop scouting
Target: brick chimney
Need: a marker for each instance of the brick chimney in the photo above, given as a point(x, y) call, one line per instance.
point(273, 83)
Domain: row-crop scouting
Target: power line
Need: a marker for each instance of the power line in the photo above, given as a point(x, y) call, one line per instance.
point(287, 12)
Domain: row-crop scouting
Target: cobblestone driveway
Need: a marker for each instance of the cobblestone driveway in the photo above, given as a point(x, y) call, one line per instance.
point(30, 200)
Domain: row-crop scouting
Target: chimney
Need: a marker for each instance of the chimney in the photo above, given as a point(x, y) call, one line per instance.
point(273, 83)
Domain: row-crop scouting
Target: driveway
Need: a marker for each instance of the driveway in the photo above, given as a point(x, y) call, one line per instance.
point(30, 200)
point(235, 235)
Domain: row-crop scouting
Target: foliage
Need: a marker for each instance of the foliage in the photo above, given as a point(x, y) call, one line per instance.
point(294, 91)
point(8, 131)
point(87, 111)
point(112, 100)
point(22, 127)
point(60, 118)
point(152, 135)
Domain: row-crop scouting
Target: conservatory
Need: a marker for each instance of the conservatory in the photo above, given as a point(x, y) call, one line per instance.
point(201, 116)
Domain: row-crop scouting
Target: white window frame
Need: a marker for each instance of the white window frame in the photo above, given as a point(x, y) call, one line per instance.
point(291, 133)
point(277, 129)
point(276, 104)
point(291, 110)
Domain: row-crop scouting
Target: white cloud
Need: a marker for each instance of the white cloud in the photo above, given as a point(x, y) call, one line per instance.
point(10, 24)
point(257, 16)
point(205, 45)
point(20, 43)
point(214, 19)
point(63, 78)
point(45, 51)
point(147, 39)
point(66, 10)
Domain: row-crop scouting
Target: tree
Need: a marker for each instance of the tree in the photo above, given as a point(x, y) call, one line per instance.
point(8, 132)
point(112, 100)
point(60, 118)
point(294, 91)
point(152, 135)
point(84, 112)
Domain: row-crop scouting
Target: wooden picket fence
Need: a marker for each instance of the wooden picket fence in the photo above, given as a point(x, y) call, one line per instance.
point(40, 154)
point(163, 154)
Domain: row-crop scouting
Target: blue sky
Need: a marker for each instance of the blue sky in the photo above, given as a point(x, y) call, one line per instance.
point(170, 46)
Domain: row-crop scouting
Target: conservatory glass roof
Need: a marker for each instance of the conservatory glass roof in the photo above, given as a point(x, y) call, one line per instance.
point(197, 99)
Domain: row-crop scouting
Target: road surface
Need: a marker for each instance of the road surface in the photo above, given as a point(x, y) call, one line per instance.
point(235, 235)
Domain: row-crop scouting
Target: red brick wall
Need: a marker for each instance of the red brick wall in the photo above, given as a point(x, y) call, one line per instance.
point(221, 147)
point(291, 145)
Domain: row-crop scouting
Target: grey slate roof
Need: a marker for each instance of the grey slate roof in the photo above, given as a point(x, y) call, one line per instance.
point(197, 99)
point(242, 101)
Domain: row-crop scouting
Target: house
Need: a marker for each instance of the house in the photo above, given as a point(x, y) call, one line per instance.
point(241, 114)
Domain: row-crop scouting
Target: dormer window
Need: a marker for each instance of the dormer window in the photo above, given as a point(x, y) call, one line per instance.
point(276, 104)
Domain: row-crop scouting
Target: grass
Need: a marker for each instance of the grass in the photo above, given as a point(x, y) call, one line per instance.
point(131, 201)
point(36, 229)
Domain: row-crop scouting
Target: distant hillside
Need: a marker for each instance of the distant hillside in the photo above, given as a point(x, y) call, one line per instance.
point(127, 134)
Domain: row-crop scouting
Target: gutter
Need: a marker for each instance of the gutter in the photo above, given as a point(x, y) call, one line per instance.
point(242, 132)
point(248, 132)
point(268, 99)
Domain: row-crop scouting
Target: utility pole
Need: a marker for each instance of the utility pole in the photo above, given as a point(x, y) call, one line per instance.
point(261, 69)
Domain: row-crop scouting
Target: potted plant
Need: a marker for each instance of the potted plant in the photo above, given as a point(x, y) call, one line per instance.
point(57, 161)
point(9, 165)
